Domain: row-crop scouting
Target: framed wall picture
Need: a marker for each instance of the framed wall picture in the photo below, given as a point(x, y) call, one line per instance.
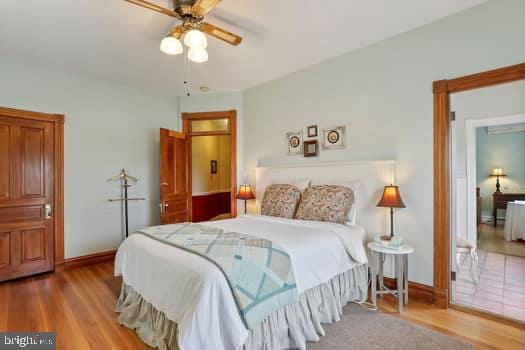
point(295, 143)
point(311, 131)
point(334, 138)
point(311, 148)
point(213, 167)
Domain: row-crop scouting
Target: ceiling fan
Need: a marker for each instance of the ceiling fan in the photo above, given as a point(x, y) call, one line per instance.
point(191, 13)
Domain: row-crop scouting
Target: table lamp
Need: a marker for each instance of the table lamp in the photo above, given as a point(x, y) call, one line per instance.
point(497, 172)
point(245, 193)
point(391, 199)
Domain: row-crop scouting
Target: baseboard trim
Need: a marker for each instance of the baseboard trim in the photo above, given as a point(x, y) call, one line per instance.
point(440, 298)
point(417, 291)
point(89, 259)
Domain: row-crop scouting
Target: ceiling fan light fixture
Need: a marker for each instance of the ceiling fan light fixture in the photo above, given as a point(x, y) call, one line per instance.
point(195, 39)
point(198, 55)
point(171, 46)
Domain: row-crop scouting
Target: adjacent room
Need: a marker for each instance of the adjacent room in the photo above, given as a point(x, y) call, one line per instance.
point(262, 175)
point(491, 271)
point(501, 175)
point(488, 192)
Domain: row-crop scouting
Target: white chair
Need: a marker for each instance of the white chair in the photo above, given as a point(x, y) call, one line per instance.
point(465, 247)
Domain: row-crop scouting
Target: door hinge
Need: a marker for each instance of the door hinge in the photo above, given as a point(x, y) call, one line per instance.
point(452, 116)
point(453, 276)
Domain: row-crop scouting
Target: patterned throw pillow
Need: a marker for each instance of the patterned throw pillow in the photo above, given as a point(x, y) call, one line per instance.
point(280, 200)
point(325, 203)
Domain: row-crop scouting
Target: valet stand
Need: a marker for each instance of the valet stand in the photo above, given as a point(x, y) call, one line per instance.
point(125, 180)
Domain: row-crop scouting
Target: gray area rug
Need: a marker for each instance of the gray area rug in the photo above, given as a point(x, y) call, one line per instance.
point(364, 329)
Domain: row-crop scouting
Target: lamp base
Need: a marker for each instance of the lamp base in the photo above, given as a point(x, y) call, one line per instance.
point(386, 238)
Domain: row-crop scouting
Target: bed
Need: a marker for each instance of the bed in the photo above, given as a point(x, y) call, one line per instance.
point(176, 298)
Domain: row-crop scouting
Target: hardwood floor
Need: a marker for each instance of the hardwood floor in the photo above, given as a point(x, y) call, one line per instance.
point(78, 304)
point(491, 239)
point(483, 333)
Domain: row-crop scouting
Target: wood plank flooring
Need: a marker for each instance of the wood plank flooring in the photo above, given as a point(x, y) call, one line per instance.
point(483, 333)
point(78, 304)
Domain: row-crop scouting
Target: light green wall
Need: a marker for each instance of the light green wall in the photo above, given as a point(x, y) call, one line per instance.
point(107, 127)
point(383, 94)
point(505, 151)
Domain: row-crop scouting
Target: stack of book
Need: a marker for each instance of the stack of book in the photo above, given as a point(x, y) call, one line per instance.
point(396, 243)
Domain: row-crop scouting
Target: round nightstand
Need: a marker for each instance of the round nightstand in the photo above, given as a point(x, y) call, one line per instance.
point(376, 269)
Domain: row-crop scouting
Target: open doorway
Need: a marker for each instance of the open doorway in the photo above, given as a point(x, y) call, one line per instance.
point(500, 180)
point(488, 200)
point(212, 164)
point(211, 180)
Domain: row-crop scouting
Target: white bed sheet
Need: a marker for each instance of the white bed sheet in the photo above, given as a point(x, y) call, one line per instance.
point(193, 292)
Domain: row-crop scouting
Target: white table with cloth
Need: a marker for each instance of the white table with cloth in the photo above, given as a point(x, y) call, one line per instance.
point(515, 221)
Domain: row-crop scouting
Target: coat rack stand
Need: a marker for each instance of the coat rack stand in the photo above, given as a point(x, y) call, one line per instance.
point(124, 179)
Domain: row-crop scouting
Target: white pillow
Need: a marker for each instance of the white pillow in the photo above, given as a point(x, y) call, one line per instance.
point(301, 184)
point(356, 186)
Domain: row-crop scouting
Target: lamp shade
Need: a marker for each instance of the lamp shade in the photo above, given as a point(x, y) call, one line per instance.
point(497, 172)
point(245, 192)
point(198, 55)
point(391, 198)
point(171, 46)
point(195, 39)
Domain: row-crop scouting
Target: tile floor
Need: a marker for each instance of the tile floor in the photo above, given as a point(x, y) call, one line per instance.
point(501, 286)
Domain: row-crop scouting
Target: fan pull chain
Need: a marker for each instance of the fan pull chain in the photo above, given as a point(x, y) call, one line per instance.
point(187, 75)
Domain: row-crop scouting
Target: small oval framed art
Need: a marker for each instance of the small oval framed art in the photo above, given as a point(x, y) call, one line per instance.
point(334, 138)
point(295, 143)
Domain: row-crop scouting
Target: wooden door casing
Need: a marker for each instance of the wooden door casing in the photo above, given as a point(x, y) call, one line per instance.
point(27, 186)
point(442, 89)
point(174, 193)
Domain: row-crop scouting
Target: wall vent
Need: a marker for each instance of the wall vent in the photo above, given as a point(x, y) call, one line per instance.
point(505, 129)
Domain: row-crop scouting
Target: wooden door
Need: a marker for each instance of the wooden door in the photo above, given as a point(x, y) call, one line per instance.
point(174, 189)
point(26, 197)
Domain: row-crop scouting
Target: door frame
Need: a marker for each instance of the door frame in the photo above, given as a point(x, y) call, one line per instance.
point(58, 121)
point(442, 208)
point(231, 115)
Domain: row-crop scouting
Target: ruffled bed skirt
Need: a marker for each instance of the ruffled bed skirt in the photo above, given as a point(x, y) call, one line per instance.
point(289, 327)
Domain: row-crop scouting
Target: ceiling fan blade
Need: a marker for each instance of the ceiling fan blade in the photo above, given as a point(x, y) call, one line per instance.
point(202, 7)
point(154, 7)
point(221, 34)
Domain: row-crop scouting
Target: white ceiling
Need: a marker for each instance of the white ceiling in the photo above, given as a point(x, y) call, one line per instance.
point(118, 41)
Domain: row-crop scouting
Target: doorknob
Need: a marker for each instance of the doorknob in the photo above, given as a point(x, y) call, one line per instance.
point(47, 211)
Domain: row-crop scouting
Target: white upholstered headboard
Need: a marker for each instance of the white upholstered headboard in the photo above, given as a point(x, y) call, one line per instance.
point(373, 175)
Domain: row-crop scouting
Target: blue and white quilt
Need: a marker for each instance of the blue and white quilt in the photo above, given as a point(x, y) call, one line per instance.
point(259, 272)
